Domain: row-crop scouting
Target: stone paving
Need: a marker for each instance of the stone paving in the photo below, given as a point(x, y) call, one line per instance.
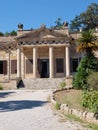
point(29, 110)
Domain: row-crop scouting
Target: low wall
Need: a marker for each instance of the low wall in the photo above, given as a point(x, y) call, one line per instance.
point(84, 115)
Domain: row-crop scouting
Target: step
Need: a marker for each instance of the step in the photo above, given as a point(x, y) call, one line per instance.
point(41, 83)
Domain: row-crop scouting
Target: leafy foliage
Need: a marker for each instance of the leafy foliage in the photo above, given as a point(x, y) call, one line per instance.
point(87, 42)
point(1, 34)
point(92, 81)
point(57, 106)
point(90, 100)
point(13, 33)
point(1, 87)
point(79, 80)
point(58, 24)
point(62, 85)
point(86, 20)
point(86, 66)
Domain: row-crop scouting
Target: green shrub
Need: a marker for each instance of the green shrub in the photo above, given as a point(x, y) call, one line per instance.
point(1, 88)
point(57, 106)
point(92, 80)
point(79, 80)
point(90, 100)
point(86, 66)
point(62, 85)
point(1, 34)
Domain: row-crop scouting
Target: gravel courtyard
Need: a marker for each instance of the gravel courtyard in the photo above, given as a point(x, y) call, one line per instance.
point(29, 110)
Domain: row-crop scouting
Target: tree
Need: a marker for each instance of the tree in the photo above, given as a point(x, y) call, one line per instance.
point(87, 42)
point(86, 67)
point(13, 33)
point(79, 80)
point(86, 20)
point(1, 34)
point(58, 23)
point(7, 34)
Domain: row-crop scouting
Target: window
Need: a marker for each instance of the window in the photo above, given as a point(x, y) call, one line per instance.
point(29, 66)
point(59, 65)
point(3, 67)
point(13, 66)
point(74, 65)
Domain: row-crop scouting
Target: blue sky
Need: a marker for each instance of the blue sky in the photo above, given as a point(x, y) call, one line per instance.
point(32, 13)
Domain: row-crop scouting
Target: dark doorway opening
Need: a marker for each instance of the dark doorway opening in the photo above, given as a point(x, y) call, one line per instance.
point(74, 65)
point(44, 68)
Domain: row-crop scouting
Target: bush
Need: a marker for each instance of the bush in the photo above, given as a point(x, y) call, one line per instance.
point(90, 100)
point(13, 33)
point(1, 88)
point(1, 34)
point(92, 80)
point(62, 85)
point(79, 80)
point(57, 106)
point(86, 66)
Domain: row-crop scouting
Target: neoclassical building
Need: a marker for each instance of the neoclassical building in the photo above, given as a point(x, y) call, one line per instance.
point(39, 53)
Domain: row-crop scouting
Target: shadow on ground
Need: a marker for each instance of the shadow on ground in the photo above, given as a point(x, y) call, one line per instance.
point(19, 105)
point(5, 94)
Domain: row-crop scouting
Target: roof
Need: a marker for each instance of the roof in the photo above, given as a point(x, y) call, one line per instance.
point(9, 39)
point(42, 35)
point(7, 42)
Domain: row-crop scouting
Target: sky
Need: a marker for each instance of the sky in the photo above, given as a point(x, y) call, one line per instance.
point(33, 13)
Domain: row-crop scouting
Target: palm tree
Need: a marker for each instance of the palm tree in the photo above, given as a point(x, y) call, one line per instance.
point(87, 42)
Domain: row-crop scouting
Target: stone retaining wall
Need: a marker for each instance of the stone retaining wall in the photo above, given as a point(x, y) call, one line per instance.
point(84, 115)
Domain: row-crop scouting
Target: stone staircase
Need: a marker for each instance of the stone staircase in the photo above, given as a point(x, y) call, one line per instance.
point(9, 85)
point(40, 83)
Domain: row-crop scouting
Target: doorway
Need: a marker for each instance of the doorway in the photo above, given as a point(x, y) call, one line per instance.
point(44, 67)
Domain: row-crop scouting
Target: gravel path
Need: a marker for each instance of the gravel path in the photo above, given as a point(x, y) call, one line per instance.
point(29, 110)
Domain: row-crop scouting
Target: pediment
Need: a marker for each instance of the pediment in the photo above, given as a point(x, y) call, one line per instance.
point(41, 33)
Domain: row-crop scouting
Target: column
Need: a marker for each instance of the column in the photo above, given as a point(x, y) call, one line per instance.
point(9, 65)
point(18, 62)
point(67, 60)
point(34, 62)
point(23, 65)
point(51, 62)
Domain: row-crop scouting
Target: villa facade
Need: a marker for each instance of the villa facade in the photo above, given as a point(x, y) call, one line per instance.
point(39, 53)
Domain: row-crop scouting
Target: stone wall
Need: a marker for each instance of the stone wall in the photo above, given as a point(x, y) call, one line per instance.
point(84, 115)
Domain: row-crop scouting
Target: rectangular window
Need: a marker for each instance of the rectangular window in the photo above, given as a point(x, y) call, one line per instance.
point(60, 65)
point(3, 67)
point(74, 65)
point(29, 66)
point(13, 66)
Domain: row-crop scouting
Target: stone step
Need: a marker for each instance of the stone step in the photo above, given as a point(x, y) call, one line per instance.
point(9, 85)
point(41, 83)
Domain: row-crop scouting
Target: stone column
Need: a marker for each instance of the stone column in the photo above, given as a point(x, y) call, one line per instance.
point(9, 65)
point(23, 65)
point(34, 62)
point(51, 62)
point(18, 62)
point(67, 60)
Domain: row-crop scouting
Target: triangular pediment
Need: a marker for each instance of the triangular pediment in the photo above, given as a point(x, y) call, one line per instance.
point(41, 33)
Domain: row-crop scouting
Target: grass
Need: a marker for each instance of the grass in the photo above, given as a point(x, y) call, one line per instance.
point(71, 97)
point(57, 106)
point(85, 124)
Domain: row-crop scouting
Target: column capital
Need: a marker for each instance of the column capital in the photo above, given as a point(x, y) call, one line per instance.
point(67, 45)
